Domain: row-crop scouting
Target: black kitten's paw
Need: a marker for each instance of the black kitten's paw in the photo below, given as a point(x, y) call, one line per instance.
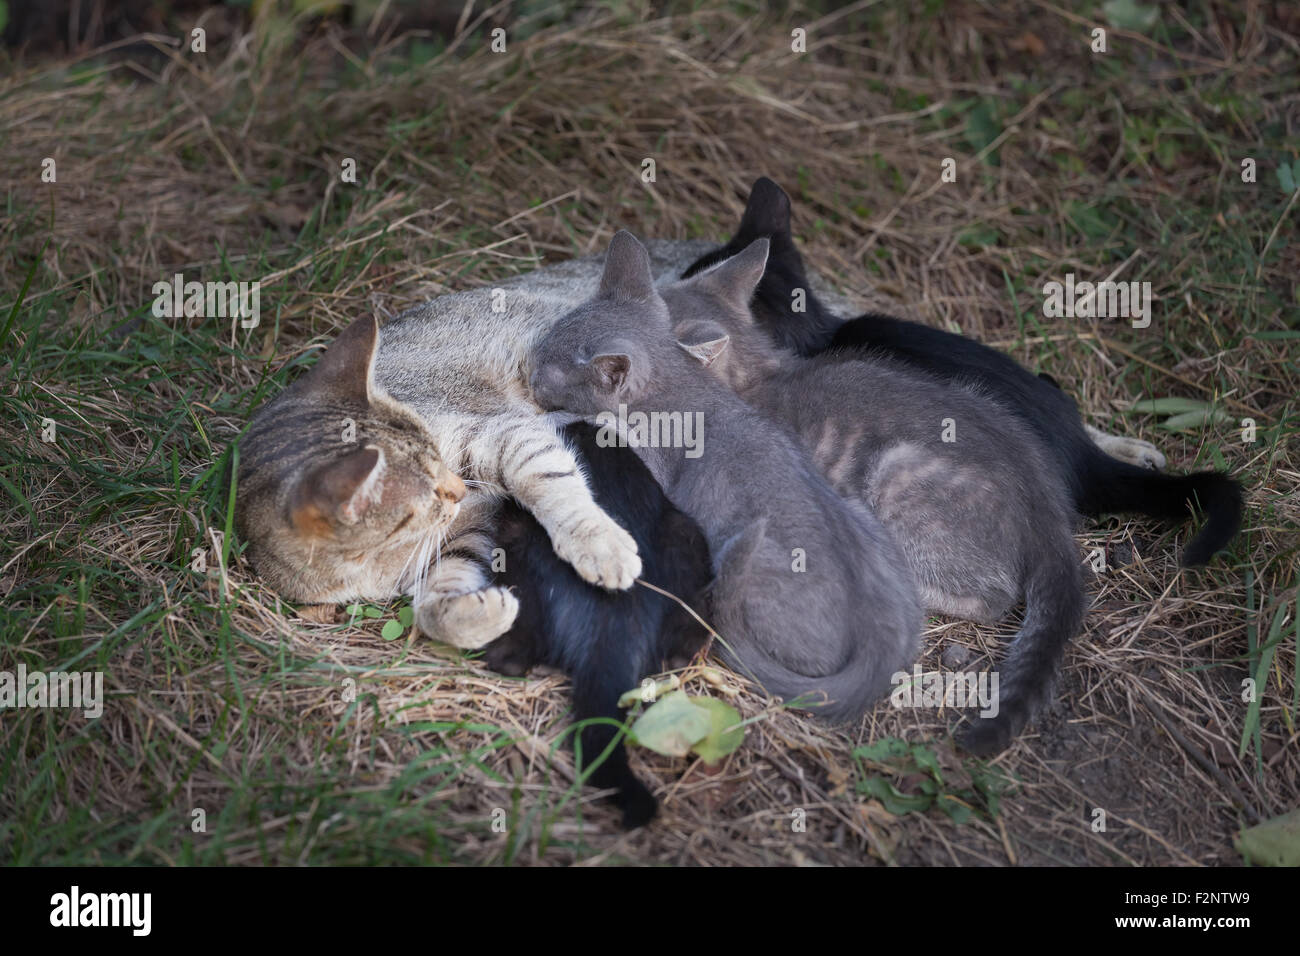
point(512, 654)
point(637, 804)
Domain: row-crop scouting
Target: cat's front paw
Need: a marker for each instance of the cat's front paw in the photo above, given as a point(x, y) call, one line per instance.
point(601, 552)
point(469, 620)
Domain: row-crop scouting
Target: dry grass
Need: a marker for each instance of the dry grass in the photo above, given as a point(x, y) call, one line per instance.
point(475, 165)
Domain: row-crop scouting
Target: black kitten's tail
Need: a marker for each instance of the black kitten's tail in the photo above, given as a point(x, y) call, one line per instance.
point(1054, 609)
point(1116, 486)
point(597, 696)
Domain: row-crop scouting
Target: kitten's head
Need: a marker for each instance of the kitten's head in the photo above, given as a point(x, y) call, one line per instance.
point(341, 492)
point(712, 321)
point(603, 352)
point(785, 281)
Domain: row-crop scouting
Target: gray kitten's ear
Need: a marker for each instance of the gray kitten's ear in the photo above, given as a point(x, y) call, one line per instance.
point(612, 371)
point(735, 279)
point(627, 276)
point(705, 341)
point(345, 370)
point(339, 492)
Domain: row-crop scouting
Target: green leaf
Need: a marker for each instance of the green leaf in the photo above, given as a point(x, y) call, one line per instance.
point(1130, 15)
point(895, 802)
point(372, 612)
point(407, 616)
point(958, 811)
point(354, 610)
point(1167, 406)
point(1197, 419)
point(725, 732)
point(672, 726)
point(982, 128)
point(883, 750)
point(1286, 178)
point(1274, 842)
point(1088, 219)
point(392, 630)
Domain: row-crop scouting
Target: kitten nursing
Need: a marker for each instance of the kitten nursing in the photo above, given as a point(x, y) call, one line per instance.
point(811, 595)
point(964, 487)
point(606, 641)
point(1104, 473)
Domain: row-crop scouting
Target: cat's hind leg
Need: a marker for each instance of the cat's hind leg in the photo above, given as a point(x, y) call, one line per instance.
point(1135, 451)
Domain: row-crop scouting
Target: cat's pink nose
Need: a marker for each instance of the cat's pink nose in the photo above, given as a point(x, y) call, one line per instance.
point(451, 488)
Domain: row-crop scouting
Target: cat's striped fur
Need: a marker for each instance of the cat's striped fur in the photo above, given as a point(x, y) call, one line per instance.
point(440, 396)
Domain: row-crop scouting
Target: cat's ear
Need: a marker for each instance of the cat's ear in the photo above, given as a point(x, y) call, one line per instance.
point(767, 212)
point(346, 370)
point(735, 279)
point(612, 371)
point(704, 341)
point(337, 493)
point(627, 276)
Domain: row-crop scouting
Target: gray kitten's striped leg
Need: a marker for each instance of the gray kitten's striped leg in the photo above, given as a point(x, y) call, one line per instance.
point(458, 606)
point(1135, 451)
point(535, 466)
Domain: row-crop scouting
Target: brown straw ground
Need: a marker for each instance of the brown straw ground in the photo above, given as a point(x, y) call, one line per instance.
point(474, 165)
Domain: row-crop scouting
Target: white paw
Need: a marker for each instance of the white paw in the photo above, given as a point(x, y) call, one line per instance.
point(601, 552)
point(468, 620)
point(1135, 451)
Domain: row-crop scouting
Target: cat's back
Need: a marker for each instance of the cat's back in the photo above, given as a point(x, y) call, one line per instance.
point(890, 402)
point(468, 351)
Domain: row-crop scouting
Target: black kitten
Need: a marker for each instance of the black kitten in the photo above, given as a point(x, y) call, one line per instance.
point(1098, 483)
point(606, 641)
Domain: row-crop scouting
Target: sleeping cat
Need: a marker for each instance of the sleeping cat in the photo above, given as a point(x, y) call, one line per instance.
point(811, 595)
point(331, 520)
point(1084, 457)
point(350, 481)
point(961, 484)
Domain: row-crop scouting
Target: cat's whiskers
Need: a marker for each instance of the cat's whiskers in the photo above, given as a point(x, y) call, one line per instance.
point(401, 575)
point(430, 549)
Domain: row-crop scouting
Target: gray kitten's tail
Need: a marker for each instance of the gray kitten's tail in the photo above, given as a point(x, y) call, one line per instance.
point(1055, 604)
point(837, 698)
point(841, 696)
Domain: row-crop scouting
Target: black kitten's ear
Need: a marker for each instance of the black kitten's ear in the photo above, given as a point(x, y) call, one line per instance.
point(339, 492)
point(627, 276)
point(736, 278)
point(612, 371)
point(705, 341)
point(346, 369)
point(767, 213)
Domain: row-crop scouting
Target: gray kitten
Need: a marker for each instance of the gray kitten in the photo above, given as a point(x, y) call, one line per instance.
point(811, 593)
point(964, 487)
